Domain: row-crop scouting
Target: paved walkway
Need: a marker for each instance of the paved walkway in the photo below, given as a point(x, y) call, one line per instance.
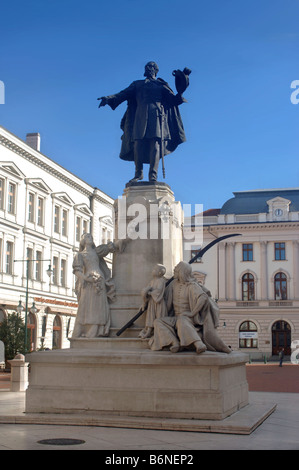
point(272, 378)
point(280, 431)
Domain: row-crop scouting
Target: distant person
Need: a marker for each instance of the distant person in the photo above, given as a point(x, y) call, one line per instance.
point(281, 356)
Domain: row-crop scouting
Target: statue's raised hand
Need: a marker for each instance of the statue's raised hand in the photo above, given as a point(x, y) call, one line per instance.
point(103, 102)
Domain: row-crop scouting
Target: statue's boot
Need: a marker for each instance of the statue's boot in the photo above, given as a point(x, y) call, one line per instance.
point(136, 178)
point(138, 172)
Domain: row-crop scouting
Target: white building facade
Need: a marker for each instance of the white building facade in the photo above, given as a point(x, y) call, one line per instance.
point(254, 276)
point(44, 210)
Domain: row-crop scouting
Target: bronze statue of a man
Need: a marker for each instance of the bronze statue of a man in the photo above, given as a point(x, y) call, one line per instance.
point(152, 125)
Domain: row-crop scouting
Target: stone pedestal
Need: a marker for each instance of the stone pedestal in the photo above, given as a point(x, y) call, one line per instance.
point(19, 374)
point(136, 382)
point(150, 218)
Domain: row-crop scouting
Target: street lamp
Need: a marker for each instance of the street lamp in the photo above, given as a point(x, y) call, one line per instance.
point(33, 308)
point(20, 307)
point(49, 271)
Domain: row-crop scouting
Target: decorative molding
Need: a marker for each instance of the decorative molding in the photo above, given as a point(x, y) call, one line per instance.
point(39, 184)
point(63, 197)
point(12, 169)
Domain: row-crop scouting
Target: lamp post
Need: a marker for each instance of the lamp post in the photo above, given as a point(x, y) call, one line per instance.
point(33, 308)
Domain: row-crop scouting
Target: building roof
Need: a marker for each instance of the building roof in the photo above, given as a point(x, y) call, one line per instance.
point(255, 202)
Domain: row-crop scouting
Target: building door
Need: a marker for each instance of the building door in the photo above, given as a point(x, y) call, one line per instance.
point(281, 337)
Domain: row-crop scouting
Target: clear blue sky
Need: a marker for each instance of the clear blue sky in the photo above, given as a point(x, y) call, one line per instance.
point(58, 57)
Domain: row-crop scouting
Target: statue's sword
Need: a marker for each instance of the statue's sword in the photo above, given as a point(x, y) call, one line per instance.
point(198, 255)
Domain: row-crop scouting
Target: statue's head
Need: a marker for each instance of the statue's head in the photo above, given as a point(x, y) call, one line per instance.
point(151, 69)
point(86, 239)
point(159, 270)
point(183, 272)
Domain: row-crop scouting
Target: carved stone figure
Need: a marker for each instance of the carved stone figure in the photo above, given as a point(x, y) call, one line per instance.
point(94, 288)
point(195, 319)
point(152, 125)
point(153, 300)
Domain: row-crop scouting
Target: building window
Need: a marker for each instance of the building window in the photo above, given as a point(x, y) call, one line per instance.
point(55, 270)
point(279, 251)
point(248, 335)
point(248, 287)
point(8, 257)
point(64, 222)
point(247, 252)
point(56, 219)
point(31, 207)
point(40, 211)
point(194, 252)
point(11, 198)
point(63, 272)
point(85, 226)
point(1, 193)
point(280, 286)
point(38, 271)
point(29, 254)
point(104, 235)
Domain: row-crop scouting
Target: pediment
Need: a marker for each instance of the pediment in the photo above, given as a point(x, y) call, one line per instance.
point(83, 208)
point(106, 220)
point(12, 169)
point(39, 184)
point(63, 197)
point(278, 201)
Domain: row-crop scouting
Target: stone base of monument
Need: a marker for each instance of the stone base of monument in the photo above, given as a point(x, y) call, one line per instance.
point(116, 383)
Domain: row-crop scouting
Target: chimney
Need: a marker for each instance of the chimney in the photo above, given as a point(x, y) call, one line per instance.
point(33, 140)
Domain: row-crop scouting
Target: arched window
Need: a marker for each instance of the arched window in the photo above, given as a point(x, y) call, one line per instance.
point(280, 286)
point(248, 335)
point(248, 287)
point(56, 340)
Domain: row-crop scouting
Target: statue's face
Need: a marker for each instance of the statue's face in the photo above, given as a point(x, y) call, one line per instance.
point(181, 271)
point(151, 70)
point(88, 239)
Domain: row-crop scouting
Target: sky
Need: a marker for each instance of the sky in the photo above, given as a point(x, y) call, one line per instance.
point(242, 128)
